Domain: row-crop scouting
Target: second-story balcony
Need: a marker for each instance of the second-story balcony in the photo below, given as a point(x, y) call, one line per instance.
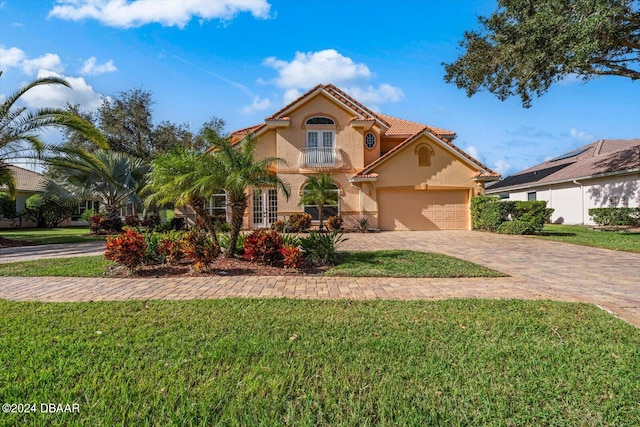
point(319, 158)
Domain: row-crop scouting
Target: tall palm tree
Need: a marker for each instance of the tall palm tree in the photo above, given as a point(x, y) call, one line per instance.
point(20, 127)
point(241, 171)
point(320, 191)
point(184, 177)
point(115, 179)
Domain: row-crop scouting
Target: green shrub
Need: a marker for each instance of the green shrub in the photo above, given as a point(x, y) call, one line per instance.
point(321, 248)
point(516, 227)
point(280, 226)
point(225, 238)
point(87, 214)
point(290, 239)
point(127, 249)
point(489, 213)
point(152, 240)
point(48, 212)
point(615, 216)
point(486, 213)
point(7, 206)
point(264, 247)
point(335, 222)
point(363, 225)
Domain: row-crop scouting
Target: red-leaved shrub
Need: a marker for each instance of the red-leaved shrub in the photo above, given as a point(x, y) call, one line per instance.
point(128, 249)
point(170, 248)
point(292, 256)
point(95, 223)
point(263, 246)
point(199, 248)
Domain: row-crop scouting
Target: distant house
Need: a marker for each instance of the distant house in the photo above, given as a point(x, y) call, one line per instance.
point(398, 174)
point(605, 173)
point(28, 183)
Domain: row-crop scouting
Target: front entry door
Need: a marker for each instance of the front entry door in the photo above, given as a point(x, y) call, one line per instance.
point(265, 207)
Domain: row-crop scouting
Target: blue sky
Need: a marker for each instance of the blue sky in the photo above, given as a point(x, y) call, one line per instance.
point(242, 60)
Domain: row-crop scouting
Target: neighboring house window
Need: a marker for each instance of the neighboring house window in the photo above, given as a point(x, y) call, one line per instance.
point(370, 140)
point(217, 206)
point(327, 210)
point(424, 153)
point(532, 197)
point(504, 196)
point(83, 206)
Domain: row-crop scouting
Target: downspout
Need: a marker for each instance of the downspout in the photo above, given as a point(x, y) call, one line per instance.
point(581, 197)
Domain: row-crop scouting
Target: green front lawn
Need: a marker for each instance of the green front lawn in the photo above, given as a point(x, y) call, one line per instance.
point(309, 363)
point(404, 263)
point(83, 266)
point(581, 235)
point(44, 236)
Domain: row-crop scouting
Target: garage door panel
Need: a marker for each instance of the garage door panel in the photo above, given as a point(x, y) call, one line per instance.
point(423, 210)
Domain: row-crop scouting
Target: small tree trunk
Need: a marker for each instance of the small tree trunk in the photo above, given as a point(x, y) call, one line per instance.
point(320, 213)
point(197, 204)
point(237, 212)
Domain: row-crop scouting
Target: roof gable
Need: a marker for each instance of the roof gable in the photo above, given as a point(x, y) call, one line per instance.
point(603, 157)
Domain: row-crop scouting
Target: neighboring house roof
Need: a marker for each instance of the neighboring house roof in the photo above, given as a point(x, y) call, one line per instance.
point(26, 180)
point(391, 127)
point(601, 158)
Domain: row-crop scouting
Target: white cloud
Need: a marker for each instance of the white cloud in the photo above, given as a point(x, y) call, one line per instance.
point(473, 152)
point(259, 104)
point(49, 61)
point(580, 135)
point(11, 57)
point(502, 167)
point(311, 68)
point(92, 68)
point(126, 14)
point(57, 96)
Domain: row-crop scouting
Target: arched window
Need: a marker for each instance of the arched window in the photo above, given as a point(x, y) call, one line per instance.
point(327, 210)
point(320, 121)
point(424, 153)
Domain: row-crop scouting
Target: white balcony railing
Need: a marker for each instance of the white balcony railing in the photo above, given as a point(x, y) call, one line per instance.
point(319, 158)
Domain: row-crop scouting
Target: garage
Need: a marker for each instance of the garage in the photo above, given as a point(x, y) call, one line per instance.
point(423, 210)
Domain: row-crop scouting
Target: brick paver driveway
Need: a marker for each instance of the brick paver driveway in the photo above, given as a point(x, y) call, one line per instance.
point(539, 270)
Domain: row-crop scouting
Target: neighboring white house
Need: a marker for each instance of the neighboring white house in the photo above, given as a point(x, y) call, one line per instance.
point(28, 183)
point(605, 173)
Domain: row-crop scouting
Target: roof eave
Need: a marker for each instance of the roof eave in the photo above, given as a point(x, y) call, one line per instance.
point(563, 181)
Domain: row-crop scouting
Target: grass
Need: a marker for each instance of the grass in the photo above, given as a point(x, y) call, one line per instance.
point(396, 263)
point(405, 263)
point(328, 363)
point(83, 266)
point(581, 235)
point(44, 236)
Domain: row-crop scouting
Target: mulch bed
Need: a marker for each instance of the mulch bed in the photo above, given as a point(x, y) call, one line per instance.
point(221, 267)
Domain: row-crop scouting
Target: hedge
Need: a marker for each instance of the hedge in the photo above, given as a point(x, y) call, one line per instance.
point(490, 213)
point(615, 216)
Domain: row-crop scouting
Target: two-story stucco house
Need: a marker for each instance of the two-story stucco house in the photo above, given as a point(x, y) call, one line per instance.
point(398, 174)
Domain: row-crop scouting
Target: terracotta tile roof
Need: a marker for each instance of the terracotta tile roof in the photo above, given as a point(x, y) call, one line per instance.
point(241, 133)
point(604, 157)
point(26, 180)
point(401, 127)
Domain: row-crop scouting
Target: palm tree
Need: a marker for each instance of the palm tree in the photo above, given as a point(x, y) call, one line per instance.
point(115, 179)
point(19, 128)
point(320, 191)
point(184, 177)
point(240, 171)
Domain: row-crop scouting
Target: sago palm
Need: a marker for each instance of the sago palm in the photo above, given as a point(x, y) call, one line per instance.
point(320, 191)
point(20, 128)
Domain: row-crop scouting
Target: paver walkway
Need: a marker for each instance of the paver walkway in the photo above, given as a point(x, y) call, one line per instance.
point(539, 269)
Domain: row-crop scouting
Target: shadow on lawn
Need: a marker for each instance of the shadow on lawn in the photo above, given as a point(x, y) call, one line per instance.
point(555, 233)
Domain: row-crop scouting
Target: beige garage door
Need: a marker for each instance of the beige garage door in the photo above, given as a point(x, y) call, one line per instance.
point(423, 210)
